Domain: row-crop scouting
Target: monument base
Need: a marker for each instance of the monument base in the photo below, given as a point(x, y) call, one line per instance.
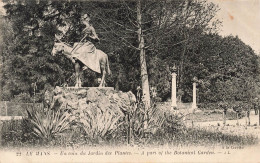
point(194, 106)
point(91, 98)
point(87, 88)
point(97, 110)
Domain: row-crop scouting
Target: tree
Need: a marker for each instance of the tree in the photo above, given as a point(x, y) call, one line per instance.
point(142, 38)
point(6, 37)
point(141, 46)
point(27, 58)
point(152, 28)
point(226, 67)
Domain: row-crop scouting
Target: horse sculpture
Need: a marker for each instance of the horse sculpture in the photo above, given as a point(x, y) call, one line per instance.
point(102, 59)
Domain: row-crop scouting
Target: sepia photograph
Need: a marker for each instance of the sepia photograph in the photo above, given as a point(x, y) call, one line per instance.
point(129, 81)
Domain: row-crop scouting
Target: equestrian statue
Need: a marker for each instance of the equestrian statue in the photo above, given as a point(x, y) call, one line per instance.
point(84, 53)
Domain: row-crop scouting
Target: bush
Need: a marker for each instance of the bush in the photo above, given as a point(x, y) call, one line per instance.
point(100, 125)
point(47, 125)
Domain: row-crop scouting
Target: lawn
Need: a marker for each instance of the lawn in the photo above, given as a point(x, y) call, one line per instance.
point(200, 115)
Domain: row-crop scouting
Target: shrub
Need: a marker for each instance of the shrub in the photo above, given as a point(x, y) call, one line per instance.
point(99, 125)
point(47, 125)
point(143, 122)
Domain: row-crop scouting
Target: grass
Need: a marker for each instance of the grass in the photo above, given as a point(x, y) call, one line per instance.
point(204, 137)
point(163, 129)
point(175, 135)
point(14, 135)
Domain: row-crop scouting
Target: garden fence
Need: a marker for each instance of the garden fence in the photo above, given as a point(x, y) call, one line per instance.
point(13, 109)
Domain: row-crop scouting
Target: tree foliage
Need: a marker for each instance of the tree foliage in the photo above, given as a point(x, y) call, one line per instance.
point(181, 32)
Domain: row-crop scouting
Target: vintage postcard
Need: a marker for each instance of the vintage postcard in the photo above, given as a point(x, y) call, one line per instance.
point(129, 81)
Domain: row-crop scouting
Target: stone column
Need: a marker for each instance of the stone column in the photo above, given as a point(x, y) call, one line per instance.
point(6, 113)
point(194, 102)
point(174, 103)
point(258, 116)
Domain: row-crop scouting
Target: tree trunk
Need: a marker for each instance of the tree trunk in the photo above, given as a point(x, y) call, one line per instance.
point(181, 70)
point(144, 74)
point(119, 75)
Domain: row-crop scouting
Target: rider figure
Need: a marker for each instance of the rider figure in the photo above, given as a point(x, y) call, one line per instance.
point(89, 31)
point(89, 37)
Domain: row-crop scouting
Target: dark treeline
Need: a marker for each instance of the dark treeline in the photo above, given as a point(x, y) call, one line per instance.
point(180, 32)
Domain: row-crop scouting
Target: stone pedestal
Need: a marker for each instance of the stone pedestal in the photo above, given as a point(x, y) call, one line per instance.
point(97, 109)
point(194, 101)
point(91, 98)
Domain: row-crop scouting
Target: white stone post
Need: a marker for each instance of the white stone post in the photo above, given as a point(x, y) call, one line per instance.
point(174, 103)
point(194, 103)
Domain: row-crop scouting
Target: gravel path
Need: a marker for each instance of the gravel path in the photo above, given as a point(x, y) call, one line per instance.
point(231, 126)
point(254, 121)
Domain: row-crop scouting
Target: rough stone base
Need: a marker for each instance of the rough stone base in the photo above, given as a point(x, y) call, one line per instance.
point(98, 110)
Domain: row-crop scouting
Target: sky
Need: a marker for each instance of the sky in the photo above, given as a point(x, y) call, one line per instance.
point(239, 18)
